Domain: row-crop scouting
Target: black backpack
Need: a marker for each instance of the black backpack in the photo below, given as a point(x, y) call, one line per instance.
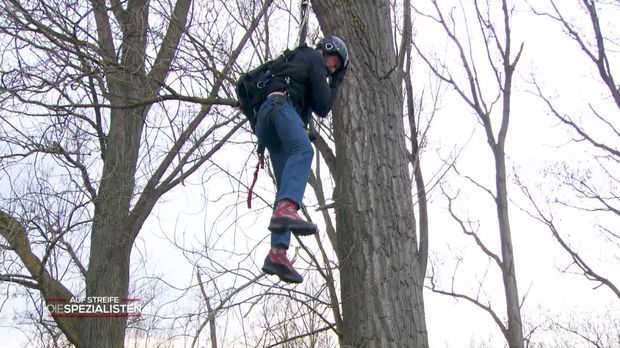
point(250, 87)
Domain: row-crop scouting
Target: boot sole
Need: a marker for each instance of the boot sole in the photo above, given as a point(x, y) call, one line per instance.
point(283, 225)
point(273, 270)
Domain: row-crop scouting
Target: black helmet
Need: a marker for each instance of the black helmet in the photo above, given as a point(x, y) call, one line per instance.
point(335, 45)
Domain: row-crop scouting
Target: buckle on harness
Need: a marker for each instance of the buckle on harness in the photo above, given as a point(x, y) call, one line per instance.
point(276, 94)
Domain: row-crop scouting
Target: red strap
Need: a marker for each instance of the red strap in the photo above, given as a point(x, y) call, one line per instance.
point(259, 165)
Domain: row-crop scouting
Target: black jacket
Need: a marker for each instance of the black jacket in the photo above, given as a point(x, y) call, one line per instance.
point(308, 89)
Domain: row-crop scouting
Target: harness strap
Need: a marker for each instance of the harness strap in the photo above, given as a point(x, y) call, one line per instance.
point(261, 147)
point(259, 165)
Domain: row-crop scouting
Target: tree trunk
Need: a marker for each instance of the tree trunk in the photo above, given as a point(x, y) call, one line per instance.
point(513, 305)
point(380, 281)
point(108, 271)
point(515, 329)
point(111, 238)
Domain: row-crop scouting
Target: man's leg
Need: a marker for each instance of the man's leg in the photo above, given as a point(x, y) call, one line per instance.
point(298, 151)
point(276, 261)
point(278, 161)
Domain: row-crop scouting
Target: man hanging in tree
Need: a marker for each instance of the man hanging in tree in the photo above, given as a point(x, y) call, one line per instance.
point(297, 89)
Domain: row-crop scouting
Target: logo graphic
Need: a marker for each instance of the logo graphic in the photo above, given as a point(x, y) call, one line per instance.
point(94, 306)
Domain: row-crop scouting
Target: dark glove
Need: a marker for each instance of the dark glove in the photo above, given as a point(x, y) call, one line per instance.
point(337, 77)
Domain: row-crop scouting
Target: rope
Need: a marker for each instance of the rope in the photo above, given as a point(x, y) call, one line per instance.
point(303, 28)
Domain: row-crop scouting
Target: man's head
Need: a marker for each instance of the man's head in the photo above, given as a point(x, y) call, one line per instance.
point(333, 63)
point(335, 52)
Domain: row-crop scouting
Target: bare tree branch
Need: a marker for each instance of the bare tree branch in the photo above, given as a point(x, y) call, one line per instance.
point(170, 43)
point(590, 273)
point(476, 302)
point(15, 234)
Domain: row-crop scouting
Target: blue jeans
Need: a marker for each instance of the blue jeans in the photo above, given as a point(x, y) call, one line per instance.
point(284, 135)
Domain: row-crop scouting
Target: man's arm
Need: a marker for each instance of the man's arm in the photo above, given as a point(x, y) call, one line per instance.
point(323, 95)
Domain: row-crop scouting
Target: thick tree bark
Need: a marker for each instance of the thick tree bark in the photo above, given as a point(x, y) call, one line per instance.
point(380, 280)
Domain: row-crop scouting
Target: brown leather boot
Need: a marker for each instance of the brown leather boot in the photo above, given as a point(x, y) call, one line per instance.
point(285, 218)
point(277, 263)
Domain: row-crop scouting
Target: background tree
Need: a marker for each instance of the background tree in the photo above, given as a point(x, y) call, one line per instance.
point(497, 65)
point(596, 132)
point(80, 87)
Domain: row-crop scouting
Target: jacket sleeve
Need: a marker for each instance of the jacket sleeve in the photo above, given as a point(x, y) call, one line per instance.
point(322, 95)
